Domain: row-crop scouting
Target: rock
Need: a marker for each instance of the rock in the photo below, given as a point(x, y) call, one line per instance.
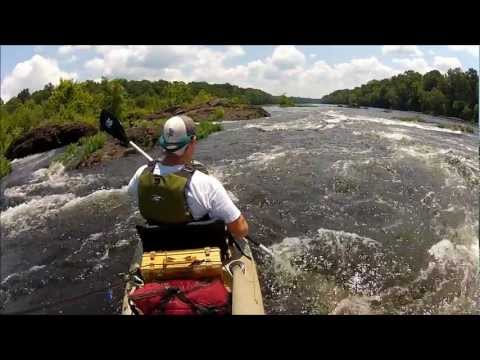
point(245, 112)
point(218, 102)
point(143, 137)
point(47, 138)
point(203, 111)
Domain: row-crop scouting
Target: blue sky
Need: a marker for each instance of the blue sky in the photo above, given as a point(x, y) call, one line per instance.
point(310, 71)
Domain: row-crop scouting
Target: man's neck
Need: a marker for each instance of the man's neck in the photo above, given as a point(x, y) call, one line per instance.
point(172, 162)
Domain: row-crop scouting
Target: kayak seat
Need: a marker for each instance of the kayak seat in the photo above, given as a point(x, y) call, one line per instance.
point(192, 235)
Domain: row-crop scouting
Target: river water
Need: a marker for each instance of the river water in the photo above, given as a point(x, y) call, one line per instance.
point(366, 215)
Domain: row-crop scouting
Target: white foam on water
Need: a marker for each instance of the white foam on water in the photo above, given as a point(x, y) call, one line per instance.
point(356, 305)
point(22, 274)
point(91, 238)
point(36, 268)
point(230, 121)
point(329, 126)
point(32, 214)
point(342, 167)
point(260, 158)
point(293, 245)
point(342, 241)
point(15, 192)
point(335, 117)
point(32, 158)
point(285, 250)
point(122, 243)
point(343, 237)
point(393, 135)
point(45, 179)
point(448, 160)
point(256, 159)
point(290, 245)
point(105, 255)
point(448, 257)
point(97, 198)
point(217, 173)
point(311, 122)
point(385, 121)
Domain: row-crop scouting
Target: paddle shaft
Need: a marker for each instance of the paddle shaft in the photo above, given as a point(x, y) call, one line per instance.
point(261, 246)
point(136, 147)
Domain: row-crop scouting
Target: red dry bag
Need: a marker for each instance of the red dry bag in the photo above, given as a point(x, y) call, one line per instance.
point(181, 297)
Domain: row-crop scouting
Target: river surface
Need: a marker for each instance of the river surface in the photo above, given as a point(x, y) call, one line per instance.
point(366, 215)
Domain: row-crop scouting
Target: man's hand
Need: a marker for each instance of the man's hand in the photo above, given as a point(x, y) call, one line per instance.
point(238, 228)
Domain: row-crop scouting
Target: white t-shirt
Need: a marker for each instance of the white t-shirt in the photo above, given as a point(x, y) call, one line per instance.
point(205, 195)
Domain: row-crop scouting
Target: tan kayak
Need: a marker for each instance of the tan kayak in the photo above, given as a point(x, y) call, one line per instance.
point(238, 271)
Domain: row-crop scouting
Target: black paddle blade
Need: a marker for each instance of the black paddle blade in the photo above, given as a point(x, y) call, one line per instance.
point(110, 124)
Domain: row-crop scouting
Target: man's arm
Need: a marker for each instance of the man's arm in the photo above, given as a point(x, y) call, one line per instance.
point(238, 228)
point(132, 187)
point(222, 207)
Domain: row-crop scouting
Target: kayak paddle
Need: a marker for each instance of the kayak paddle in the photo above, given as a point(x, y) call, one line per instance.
point(261, 246)
point(110, 124)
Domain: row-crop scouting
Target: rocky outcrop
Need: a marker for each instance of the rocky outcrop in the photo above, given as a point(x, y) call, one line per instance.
point(144, 137)
point(245, 112)
point(47, 138)
point(204, 111)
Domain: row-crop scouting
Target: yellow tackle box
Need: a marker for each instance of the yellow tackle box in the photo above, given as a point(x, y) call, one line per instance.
point(182, 264)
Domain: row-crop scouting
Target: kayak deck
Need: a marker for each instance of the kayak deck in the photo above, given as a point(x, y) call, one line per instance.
point(240, 278)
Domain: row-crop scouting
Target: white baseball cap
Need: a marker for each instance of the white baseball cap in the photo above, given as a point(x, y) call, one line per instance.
point(178, 132)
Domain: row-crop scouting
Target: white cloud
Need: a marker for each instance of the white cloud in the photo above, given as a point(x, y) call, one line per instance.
point(33, 74)
point(68, 49)
point(445, 63)
point(323, 78)
point(163, 62)
point(234, 51)
point(401, 50)
point(312, 56)
point(72, 59)
point(418, 64)
point(287, 57)
point(95, 65)
point(469, 49)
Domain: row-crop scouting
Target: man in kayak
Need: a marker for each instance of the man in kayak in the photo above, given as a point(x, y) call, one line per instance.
point(171, 191)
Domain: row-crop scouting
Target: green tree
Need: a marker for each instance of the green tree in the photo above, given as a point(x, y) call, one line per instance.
point(285, 101)
point(23, 95)
point(114, 97)
point(467, 113)
point(437, 102)
point(43, 95)
point(457, 107)
point(433, 79)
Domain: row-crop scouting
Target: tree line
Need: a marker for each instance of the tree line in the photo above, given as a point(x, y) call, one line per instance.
point(130, 100)
point(454, 93)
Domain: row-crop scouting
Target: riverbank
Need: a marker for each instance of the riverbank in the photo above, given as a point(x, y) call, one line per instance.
point(86, 148)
